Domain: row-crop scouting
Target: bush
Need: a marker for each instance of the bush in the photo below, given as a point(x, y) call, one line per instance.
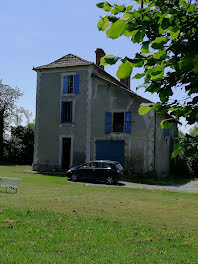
point(20, 147)
point(187, 160)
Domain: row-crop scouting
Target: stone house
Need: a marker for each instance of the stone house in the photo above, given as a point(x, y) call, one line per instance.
point(83, 113)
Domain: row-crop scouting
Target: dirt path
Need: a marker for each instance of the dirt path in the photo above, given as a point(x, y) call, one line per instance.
point(191, 187)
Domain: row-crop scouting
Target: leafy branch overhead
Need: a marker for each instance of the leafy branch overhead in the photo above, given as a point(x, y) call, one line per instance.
point(167, 32)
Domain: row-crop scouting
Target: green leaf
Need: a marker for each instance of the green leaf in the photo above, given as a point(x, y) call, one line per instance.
point(159, 42)
point(146, 18)
point(129, 7)
point(100, 5)
point(105, 6)
point(139, 75)
point(114, 11)
point(156, 70)
point(145, 48)
point(138, 36)
point(160, 55)
point(103, 24)
point(174, 34)
point(112, 19)
point(165, 124)
point(165, 23)
point(136, 13)
point(144, 109)
point(176, 152)
point(195, 62)
point(121, 8)
point(117, 29)
point(187, 62)
point(109, 59)
point(124, 70)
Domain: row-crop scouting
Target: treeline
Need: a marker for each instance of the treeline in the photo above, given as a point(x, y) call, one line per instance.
point(16, 141)
point(20, 146)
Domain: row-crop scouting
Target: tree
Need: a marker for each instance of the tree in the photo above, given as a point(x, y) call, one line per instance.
point(19, 148)
point(8, 98)
point(167, 32)
point(194, 131)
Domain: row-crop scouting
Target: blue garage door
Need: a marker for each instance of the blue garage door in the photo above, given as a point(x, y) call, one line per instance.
point(110, 150)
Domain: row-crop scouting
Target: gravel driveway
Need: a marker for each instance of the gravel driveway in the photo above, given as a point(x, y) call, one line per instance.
point(191, 187)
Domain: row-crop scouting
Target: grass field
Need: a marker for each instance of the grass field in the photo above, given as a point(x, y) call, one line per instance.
point(52, 220)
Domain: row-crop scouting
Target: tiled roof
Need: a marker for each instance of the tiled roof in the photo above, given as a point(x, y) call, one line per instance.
point(66, 61)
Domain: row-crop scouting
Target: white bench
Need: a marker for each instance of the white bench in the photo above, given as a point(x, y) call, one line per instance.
point(9, 183)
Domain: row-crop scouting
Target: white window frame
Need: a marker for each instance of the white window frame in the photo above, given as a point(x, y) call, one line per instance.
point(62, 78)
point(73, 114)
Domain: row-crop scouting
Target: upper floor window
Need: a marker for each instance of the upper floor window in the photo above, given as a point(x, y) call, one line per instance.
point(70, 84)
point(66, 112)
point(118, 122)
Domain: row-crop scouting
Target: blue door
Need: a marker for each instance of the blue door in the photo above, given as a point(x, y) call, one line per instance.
point(110, 150)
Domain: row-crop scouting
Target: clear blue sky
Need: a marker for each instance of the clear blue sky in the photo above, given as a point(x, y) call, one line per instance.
point(36, 32)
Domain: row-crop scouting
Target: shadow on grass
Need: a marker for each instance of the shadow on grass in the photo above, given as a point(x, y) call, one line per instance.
point(54, 174)
point(170, 180)
point(97, 182)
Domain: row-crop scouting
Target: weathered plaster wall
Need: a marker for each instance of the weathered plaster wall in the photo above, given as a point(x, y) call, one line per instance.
point(139, 145)
point(49, 130)
point(163, 147)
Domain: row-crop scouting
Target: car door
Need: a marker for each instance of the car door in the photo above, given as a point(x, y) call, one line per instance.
point(106, 170)
point(99, 171)
point(85, 171)
point(93, 171)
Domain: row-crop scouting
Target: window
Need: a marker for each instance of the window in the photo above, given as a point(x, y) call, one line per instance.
point(118, 122)
point(70, 84)
point(66, 112)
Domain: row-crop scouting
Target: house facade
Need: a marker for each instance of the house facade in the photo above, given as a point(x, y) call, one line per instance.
point(83, 114)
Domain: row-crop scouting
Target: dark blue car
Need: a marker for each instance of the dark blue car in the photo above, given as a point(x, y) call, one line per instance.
point(97, 170)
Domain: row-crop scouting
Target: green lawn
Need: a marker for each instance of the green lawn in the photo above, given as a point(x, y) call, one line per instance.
point(52, 220)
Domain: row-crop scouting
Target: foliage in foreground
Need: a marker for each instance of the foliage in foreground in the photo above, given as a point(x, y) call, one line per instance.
point(167, 32)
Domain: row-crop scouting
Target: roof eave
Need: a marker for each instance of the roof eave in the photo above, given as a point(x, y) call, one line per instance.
point(38, 69)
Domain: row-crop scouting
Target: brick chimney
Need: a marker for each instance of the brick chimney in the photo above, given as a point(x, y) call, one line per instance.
point(126, 82)
point(99, 54)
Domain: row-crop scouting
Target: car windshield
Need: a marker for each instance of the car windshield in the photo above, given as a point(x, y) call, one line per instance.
point(118, 166)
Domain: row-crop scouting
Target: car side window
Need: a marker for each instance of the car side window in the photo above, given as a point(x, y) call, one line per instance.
point(93, 165)
point(84, 166)
point(100, 165)
point(106, 165)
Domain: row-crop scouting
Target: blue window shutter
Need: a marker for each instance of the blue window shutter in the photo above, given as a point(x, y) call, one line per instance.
point(76, 83)
point(62, 112)
point(128, 122)
point(166, 132)
point(71, 111)
point(108, 122)
point(65, 85)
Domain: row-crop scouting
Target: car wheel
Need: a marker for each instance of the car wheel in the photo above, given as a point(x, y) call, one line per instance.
point(109, 180)
point(74, 177)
